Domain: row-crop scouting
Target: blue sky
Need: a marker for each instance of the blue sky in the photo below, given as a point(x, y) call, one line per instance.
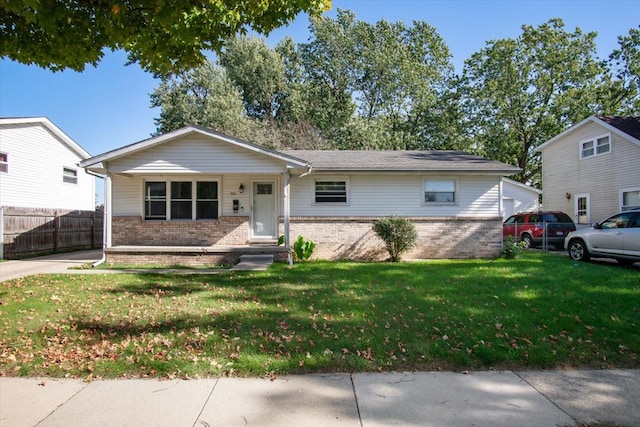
point(108, 106)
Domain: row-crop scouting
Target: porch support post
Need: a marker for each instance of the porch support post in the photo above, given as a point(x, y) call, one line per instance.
point(107, 211)
point(287, 216)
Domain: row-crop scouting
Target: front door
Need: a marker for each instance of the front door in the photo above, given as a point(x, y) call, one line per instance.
point(264, 219)
point(582, 209)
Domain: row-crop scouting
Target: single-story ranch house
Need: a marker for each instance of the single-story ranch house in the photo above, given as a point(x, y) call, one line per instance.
point(201, 197)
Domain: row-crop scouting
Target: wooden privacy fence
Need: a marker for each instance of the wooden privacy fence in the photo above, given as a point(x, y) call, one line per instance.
point(33, 231)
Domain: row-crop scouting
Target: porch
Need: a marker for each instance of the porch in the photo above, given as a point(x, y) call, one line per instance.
point(191, 255)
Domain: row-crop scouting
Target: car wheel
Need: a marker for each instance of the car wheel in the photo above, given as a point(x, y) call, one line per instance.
point(578, 251)
point(527, 241)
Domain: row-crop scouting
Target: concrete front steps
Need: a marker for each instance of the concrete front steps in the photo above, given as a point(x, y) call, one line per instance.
point(258, 262)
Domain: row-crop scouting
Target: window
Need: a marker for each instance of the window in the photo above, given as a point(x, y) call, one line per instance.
point(439, 191)
point(595, 147)
point(331, 191)
point(155, 200)
point(69, 175)
point(181, 202)
point(207, 201)
point(630, 199)
point(4, 162)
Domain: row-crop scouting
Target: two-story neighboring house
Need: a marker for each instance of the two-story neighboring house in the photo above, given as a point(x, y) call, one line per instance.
point(592, 170)
point(39, 167)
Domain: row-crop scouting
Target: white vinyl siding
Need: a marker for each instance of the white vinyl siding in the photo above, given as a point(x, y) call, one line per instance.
point(194, 154)
point(564, 171)
point(400, 195)
point(34, 177)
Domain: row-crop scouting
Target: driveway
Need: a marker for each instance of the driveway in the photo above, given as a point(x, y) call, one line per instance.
point(58, 263)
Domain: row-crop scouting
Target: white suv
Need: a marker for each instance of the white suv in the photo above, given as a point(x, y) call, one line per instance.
point(617, 237)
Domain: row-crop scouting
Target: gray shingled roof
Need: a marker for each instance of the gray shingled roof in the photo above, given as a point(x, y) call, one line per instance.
point(628, 125)
point(400, 161)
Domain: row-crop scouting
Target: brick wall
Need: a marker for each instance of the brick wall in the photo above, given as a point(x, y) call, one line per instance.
point(134, 231)
point(446, 237)
point(335, 237)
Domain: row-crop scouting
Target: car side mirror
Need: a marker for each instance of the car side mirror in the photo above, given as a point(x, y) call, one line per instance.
point(597, 226)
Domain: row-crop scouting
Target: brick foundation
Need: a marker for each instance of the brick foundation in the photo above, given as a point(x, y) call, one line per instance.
point(438, 237)
point(335, 238)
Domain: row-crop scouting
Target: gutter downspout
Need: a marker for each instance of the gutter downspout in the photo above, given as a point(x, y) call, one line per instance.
point(107, 183)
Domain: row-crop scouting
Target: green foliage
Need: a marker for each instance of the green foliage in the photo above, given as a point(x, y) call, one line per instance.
point(519, 93)
point(164, 37)
point(303, 249)
point(511, 249)
point(398, 234)
point(203, 96)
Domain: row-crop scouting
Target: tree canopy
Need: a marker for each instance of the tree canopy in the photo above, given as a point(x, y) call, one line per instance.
point(163, 36)
point(360, 85)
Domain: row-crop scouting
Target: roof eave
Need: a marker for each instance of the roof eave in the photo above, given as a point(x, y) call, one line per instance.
point(170, 136)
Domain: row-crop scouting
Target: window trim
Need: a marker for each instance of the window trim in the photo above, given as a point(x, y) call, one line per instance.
point(4, 164)
point(594, 141)
point(456, 190)
point(621, 197)
point(347, 190)
point(194, 198)
point(69, 175)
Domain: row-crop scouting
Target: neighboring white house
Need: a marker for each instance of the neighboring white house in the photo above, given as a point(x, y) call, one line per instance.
point(39, 167)
point(196, 188)
point(592, 170)
point(518, 197)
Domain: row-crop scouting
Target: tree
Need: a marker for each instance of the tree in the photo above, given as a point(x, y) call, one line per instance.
point(204, 96)
point(518, 93)
point(363, 77)
point(163, 36)
point(621, 92)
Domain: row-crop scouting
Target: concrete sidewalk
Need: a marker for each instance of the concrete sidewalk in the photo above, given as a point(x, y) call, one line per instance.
point(532, 398)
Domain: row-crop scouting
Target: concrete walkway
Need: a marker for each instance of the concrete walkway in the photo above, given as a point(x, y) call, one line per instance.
point(69, 263)
point(532, 398)
point(59, 263)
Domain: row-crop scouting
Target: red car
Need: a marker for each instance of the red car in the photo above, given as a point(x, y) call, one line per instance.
point(528, 227)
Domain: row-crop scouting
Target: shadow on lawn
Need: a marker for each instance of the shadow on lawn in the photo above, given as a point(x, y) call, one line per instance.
point(359, 316)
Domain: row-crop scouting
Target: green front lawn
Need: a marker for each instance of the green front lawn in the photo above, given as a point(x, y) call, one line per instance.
point(538, 311)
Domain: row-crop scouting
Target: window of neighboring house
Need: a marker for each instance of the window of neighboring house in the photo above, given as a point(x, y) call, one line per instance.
point(439, 191)
point(69, 175)
point(333, 191)
point(630, 199)
point(181, 202)
point(4, 162)
point(595, 147)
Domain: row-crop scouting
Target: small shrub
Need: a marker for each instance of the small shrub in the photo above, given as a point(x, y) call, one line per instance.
point(398, 234)
point(511, 249)
point(302, 249)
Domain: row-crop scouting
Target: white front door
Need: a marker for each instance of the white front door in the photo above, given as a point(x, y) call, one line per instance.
point(264, 219)
point(582, 208)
